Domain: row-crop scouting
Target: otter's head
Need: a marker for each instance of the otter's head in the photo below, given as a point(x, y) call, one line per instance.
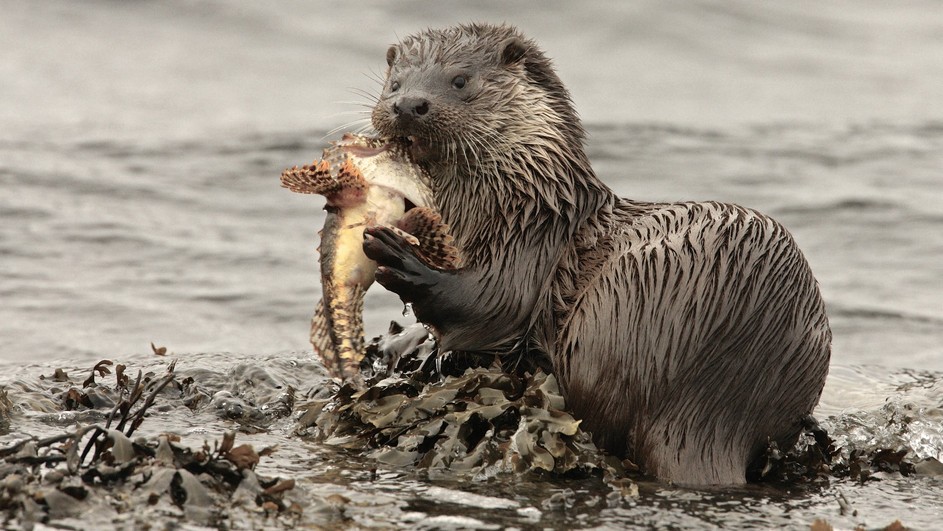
point(472, 95)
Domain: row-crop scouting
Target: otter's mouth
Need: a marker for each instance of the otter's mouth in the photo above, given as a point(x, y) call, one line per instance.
point(419, 148)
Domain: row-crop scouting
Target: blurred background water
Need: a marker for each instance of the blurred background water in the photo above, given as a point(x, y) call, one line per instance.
point(141, 143)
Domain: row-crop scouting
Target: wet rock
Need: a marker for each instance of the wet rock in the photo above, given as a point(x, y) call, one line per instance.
point(164, 455)
point(195, 493)
point(248, 490)
point(281, 406)
point(122, 449)
point(53, 476)
point(929, 467)
point(27, 451)
point(60, 504)
point(13, 483)
point(31, 514)
point(158, 484)
point(228, 405)
point(98, 399)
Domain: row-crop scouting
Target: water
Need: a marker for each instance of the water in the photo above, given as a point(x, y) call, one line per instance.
point(141, 144)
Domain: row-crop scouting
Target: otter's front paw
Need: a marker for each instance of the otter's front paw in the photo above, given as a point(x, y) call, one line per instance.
point(400, 270)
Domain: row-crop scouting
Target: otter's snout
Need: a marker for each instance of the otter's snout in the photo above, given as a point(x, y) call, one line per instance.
point(411, 107)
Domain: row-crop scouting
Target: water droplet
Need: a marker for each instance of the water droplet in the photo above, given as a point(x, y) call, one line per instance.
point(407, 309)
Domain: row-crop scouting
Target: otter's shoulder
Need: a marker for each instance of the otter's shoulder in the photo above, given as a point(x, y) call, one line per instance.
point(643, 222)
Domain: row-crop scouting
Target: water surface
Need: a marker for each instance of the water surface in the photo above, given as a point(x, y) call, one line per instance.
point(139, 160)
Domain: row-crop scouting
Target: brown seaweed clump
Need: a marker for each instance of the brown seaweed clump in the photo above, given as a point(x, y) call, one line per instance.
point(817, 460)
point(96, 475)
point(131, 476)
point(479, 421)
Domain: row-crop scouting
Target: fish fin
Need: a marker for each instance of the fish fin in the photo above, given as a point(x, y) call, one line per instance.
point(349, 176)
point(337, 178)
point(313, 178)
point(337, 330)
point(436, 246)
point(321, 338)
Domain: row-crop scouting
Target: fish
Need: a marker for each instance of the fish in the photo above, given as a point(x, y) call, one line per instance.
point(367, 181)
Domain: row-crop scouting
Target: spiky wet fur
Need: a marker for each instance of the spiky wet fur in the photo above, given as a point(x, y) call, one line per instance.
point(686, 335)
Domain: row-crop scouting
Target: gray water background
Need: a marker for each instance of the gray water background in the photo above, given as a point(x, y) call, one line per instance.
point(141, 142)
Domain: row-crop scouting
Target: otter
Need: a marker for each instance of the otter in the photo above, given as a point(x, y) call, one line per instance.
point(686, 336)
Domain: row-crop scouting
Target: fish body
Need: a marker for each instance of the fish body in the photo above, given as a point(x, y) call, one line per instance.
point(367, 181)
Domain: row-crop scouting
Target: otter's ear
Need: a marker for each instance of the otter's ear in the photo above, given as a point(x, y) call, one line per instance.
point(391, 55)
point(513, 50)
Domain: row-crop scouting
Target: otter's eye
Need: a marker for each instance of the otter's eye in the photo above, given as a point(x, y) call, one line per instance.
point(459, 82)
point(394, 86)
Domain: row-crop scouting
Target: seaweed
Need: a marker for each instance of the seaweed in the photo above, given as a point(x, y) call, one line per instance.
point(817, 458)
point(460, 413)
point(99, 464)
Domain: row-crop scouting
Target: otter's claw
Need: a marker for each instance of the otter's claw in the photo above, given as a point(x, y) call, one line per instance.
point(400, 270)
point(384, 246)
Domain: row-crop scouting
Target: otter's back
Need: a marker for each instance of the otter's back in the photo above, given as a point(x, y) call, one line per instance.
point(708, 320)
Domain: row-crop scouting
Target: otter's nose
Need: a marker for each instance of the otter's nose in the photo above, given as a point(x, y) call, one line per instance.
point(411, 106)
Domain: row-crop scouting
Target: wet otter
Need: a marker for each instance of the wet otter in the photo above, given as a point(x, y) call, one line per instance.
point(685, 335)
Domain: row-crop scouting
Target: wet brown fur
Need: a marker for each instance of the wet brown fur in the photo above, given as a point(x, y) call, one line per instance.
point(685, 335)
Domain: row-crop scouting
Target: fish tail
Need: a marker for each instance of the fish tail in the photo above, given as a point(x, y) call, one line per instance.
point(337, 330)
point(321, 338)
point(347, 318)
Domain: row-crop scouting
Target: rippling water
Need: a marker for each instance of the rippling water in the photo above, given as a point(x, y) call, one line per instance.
point(142, 142)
